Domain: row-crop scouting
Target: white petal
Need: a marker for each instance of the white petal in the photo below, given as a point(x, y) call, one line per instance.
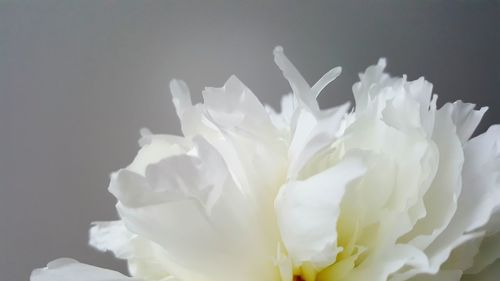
point(65, 269)
point(234, 105)
point(304, 124)
point(284, 262)
point(283, 119)
point(371, 81)
point(488, 253)
point(288, 107)
point(440, 202)
point(462, 257)
point(190, 206)
point(326, 79)
point(154, 148)
point(477, 201)
point(180, 96)
point(379, 266)
point(307, 213)
point(312, 134)
point(112, 236)
point(234, 121)
point(482, 194)
point(465, 117)
point(300, 87)
point(441, 198)
point(145, 258)
point(491, 273)
point(443, 275)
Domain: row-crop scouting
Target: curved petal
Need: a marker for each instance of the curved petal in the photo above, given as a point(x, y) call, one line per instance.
point(308, 210)
point(299, 85)
point(326, 79)
point(312, 134)
point(112, 236)
point(145, 258)
point(490, 273)
point(180, 96)
point(154, 148)
point(465, 117)
point(65, 269)
point(442, 275)
point(191, 207)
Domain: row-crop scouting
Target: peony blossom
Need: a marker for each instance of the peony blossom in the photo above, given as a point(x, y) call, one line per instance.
point(393, 189)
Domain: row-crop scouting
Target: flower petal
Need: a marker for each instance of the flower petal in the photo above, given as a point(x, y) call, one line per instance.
point(112, 236)
point(490, 273)
point(307, 213)
point(65, 269)
point(180, 96)
point(312, 134)
point(145, 258)
point(326, 79)
point(300, 87)
point(191, 207)
point(465, 117)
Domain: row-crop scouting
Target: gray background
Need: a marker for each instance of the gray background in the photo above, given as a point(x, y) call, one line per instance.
point(78, 80)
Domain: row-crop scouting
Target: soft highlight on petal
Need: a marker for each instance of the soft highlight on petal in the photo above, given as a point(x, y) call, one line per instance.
point(65, 269)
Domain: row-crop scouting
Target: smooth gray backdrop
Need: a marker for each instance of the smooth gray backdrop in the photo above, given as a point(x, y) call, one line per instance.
point(79, 79)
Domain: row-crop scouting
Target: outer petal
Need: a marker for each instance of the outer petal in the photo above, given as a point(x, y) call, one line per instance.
point(145, 258)
point(65, 269)
point(154, 148)
point(488, 253)
point(466, 118)
point(112, 236)
point(490, 273)
point(440, 199)
point(482, 179)
point(191, 207)
point(443, 275)
point(307, 213)
point(472, 205)
point(479, 198)
point(482, 193)
point(181, 96)
point(371, 81)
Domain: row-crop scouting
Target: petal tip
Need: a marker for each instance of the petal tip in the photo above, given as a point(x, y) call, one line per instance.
point(382, 62)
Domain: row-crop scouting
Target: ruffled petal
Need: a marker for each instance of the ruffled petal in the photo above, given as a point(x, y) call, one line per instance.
point(191, 207)
point(490, 273)
point(465, 118)
point(307, 212)
point(145, 259)
point(311, 135)
point(65, 269)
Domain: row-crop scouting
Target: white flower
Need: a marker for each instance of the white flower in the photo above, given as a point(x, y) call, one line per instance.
point(392, 190)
